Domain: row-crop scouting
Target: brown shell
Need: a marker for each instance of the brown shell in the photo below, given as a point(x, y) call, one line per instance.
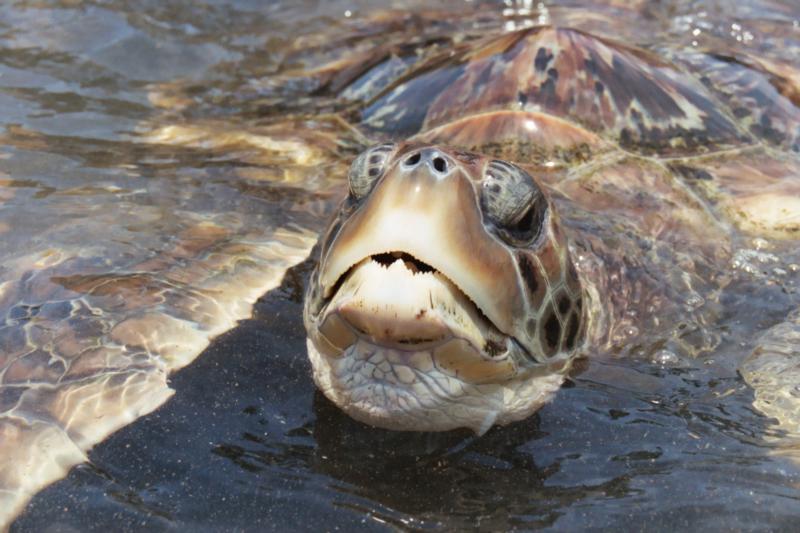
point(629, 96)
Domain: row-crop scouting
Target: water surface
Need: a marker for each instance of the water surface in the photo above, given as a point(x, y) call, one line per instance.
point(133, 157)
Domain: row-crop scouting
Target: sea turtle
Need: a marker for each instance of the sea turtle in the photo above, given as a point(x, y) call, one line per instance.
point(531, 189)
point(535, 196)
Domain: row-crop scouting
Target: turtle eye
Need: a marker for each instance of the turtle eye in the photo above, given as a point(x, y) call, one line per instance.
point(512, 203)
point(368, 168)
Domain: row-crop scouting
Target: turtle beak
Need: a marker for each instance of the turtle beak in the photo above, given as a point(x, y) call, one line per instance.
point(426, 208)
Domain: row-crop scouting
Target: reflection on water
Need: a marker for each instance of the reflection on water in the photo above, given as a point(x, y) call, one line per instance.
point(147, 197)
point(247, 444)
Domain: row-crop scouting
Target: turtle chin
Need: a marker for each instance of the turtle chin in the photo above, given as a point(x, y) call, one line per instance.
point(404, 390)
point(399, 346)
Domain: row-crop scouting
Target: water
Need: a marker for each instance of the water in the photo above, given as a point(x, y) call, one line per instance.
point(246, 444)
point(124, 150)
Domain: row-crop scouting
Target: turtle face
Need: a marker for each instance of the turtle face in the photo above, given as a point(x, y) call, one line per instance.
point(444, 296)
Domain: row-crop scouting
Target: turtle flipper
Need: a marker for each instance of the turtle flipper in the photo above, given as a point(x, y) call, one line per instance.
point(90, 333)
point(90, 353)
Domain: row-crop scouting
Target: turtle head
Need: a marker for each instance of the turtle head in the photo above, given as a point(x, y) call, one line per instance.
point(444, 296)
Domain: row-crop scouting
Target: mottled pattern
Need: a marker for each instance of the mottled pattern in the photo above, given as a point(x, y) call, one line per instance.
point(660, 160)
point(89, 334)
point(636, 99)
point(763, 101)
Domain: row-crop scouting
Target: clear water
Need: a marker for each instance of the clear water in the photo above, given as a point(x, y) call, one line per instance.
point(246, 443)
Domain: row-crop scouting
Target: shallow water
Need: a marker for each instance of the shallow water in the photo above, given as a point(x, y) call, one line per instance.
point(246, 444)
point(99, 186)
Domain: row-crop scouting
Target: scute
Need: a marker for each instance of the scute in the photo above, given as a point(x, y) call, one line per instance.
point(763, 96)
point(629, 96)
point(518, 136)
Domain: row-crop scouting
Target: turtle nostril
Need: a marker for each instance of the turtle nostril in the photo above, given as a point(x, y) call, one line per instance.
point(413, 159)
point(439, 164)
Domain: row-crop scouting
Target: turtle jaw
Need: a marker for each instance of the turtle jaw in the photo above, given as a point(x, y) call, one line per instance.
point(398, 345)
point(393, 302)
point(412, 394)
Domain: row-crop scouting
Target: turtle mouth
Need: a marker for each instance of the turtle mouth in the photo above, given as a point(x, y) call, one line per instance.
point(409, 261)
point(397, 344)
point(397, 302)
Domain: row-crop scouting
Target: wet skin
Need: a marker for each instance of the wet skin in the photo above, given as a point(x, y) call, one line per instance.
point(444, 296)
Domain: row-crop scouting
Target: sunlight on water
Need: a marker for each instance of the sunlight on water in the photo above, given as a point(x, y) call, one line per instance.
point(163, 164)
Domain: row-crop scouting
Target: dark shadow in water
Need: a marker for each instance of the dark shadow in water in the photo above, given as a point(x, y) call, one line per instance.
point(247, 444)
